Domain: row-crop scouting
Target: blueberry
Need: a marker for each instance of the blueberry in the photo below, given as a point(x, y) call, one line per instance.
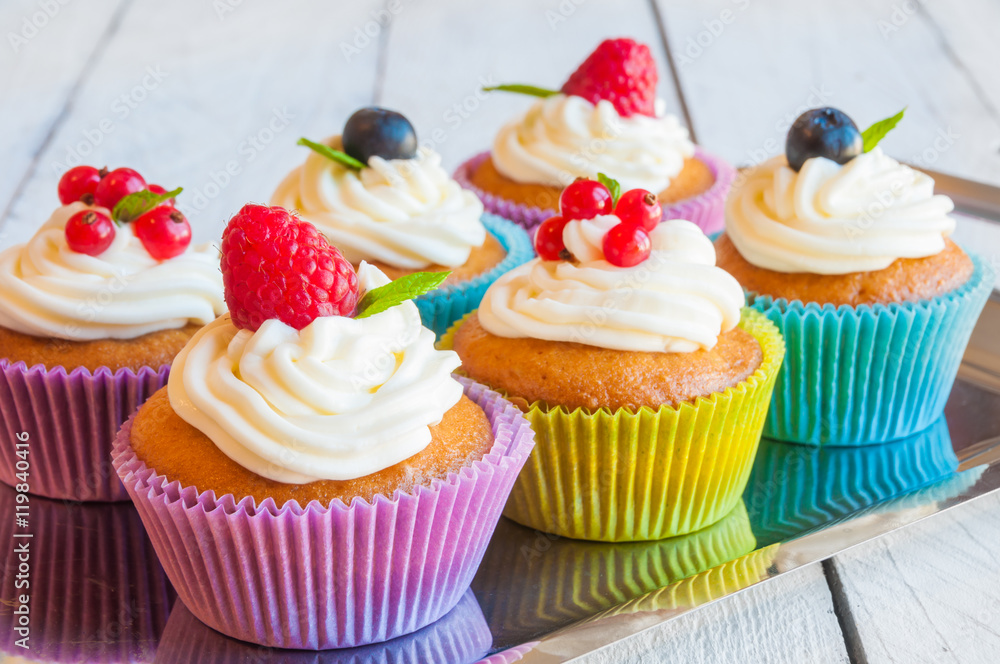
point(823, 132)
point(379, 132)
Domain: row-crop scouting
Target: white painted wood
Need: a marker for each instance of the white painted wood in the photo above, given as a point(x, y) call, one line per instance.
point(930, 592)
point(748, 68)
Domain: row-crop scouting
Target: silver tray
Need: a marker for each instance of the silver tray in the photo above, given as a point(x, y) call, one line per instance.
point(538, 598)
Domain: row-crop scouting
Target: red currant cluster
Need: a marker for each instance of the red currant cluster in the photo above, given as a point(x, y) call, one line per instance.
point(164, 231)
point(625, 245)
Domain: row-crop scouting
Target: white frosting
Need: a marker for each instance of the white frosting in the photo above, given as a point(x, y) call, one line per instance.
point(403, 212)
point(833, 219)
point(676, 300)
point(564, 137)
point(340, 399)
point(48, 290)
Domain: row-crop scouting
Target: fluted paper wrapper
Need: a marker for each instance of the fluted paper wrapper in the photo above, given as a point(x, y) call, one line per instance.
point(443, 306)
point(71, 418)
point(706, 210)
point(871, 373)
point(628, 476)
point(329, 577)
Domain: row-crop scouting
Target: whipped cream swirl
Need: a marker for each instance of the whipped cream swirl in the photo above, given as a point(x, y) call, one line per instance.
point(676, 300)
point(833, 219)
point(48, 290)
point(564, 137)
point(404, 212)
point(340, 399)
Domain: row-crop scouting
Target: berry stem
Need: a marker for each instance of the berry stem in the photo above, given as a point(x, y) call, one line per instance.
point(334, 155)
point(522, 89)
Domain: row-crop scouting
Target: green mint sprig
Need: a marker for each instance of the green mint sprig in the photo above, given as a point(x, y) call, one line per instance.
point(613, 186)
point(522, 89)
point(405, 288)
point(334, 155)
point(877, 131)
point(136, 204)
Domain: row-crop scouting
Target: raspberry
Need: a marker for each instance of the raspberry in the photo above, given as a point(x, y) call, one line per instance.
point(274, 265)
point(621, 71)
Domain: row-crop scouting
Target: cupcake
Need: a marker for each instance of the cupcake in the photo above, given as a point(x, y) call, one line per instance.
point(604, 119)
point(382, 199)
point(847, 251)
point(313, 476)
point(644, 383)
point(93, 309)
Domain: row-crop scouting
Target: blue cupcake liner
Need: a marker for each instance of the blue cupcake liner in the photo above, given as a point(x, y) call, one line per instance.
point(871, 373)
point(442, 307)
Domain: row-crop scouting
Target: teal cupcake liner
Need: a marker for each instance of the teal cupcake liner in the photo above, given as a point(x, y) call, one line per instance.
point(442, 307)
point(871, 373)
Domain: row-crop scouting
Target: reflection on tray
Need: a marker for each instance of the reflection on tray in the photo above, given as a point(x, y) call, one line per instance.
point(97, 592)
point(531, 583)
point(461, 637)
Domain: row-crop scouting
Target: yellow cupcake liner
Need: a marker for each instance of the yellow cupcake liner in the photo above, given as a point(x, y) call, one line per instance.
point(648, 474)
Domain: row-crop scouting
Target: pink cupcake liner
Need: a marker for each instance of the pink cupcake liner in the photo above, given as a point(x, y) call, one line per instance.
point(97, 592)
point(329, 577)
point(707, 210)
point(71, 418)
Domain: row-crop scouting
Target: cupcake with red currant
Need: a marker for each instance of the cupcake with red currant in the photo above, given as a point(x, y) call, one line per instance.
point(316, 435)
point(848, 252)
point(605, 118)
point(645, 381)
point(383, 199)
point(93, 309)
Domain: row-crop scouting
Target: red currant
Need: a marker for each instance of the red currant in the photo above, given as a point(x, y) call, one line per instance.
point(640, 207)
point(585, 199)
point(157, 189)
point(164, 232)
point(90, 232)
point(116, 185)
point(78, 183)
point(549, 243)
point(627, 245)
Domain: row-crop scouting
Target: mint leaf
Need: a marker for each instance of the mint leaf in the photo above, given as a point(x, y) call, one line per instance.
point(522, 89)
point(613, 187)
point(334, 155)
point(405, 288)
point(877, 131)
point(135, 205)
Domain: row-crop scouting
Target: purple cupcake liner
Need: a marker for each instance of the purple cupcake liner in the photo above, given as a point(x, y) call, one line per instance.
point(329, 577)
point(706, 210)
point(71, 418)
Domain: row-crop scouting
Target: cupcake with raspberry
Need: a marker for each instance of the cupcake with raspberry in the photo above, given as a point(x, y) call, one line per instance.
point(644, 382)
point(382, 199)
point(93, 309)
point(604, 119)
point(316, 435)
point(847, 251)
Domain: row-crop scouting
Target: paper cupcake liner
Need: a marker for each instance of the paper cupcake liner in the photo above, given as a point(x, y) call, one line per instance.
point(510, 655)
point(97, 592)
point(329, 577)
point(794, 488)
point(707, 209)
point(442, 307)
point(460, 637)
point(628, 476)
point(532, 583)
point(871, 373)
point(71, 418)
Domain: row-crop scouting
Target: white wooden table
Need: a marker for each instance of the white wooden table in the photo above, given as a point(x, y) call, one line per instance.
point(212, 95)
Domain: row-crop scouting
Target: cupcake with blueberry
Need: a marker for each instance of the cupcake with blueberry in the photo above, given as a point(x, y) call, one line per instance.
point(604, 119)
point(312, 454)
point(382, 199)
point(93, 309)
point(644, 381)
point(848, 252)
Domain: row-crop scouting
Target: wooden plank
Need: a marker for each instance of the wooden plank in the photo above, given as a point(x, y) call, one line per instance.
point(930, 592)
point(748, 68)
point(212, 101)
